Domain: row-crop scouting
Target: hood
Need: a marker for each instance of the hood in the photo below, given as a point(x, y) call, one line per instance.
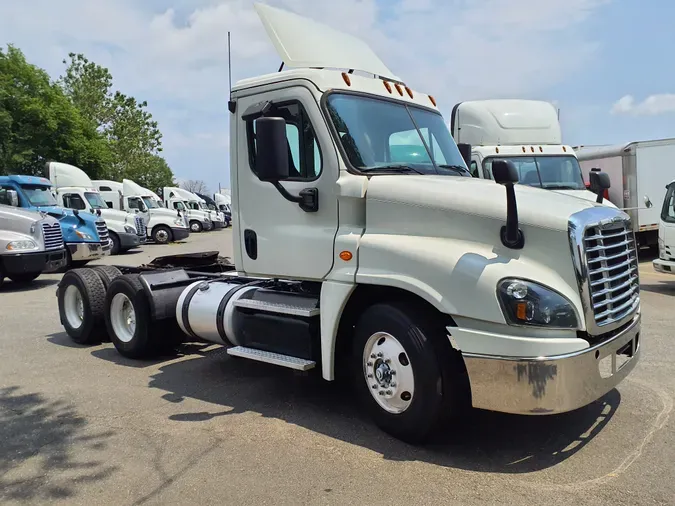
point(115, 214)
point(473, 197)
point(585, 195)
point(163, 211)
point(18, 213)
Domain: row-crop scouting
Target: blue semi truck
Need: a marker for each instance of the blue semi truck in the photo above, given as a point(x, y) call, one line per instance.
point(85, 235)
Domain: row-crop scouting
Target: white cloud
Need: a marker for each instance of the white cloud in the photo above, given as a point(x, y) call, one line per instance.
point(174, 53)
point(653, 105)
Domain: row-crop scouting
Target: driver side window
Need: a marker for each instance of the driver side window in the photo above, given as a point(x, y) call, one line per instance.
point(304, 155)
point(73, 201)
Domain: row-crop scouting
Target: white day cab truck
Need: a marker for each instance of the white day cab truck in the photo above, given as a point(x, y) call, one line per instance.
point(74, 190)
point(162, 226)
point(31, 242)
point(640, 172)
point(426, 289)
point(666, 261)
point(526, 132)
point(198, 219)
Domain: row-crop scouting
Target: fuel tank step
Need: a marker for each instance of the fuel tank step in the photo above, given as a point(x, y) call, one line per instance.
point(299, 364)
point(276, 307)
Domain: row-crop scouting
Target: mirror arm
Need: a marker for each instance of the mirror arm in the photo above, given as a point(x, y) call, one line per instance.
point(511, 235)
point(308, 200)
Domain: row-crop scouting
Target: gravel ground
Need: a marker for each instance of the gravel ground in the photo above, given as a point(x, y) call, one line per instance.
point(82, 425)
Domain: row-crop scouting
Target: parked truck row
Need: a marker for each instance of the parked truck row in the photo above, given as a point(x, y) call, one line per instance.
point(425, 289)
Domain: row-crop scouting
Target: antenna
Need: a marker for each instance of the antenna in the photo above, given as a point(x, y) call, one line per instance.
point(231, 104)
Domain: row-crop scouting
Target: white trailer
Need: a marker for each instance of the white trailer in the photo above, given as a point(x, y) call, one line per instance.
point(426, 289)
point(638, 171)
point(526, 132)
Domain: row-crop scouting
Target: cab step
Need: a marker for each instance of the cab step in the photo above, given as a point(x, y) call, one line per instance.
point(277, 307)
point(299, 364)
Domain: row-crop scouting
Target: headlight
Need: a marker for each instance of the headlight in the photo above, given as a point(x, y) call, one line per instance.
point(22, 245)
point(84, 235)
point(527, 303)
point(129, 230)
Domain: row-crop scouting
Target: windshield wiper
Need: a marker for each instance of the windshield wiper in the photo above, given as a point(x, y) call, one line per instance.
point(456, 168)
point(560, 187)
point(394, 168)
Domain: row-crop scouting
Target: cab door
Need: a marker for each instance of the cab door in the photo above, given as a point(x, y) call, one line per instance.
point(276, 237)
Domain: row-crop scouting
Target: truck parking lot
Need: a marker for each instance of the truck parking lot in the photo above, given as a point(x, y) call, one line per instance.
point(83, 425)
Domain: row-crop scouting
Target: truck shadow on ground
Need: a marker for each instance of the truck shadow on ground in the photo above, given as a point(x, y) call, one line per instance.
point(662, 287)
point(10, 287)
point(484, 442)
point(45, 432)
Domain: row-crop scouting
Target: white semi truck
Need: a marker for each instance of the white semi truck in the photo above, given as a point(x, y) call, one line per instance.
point(526, 132)
point(75, 190)
point(638, 171)
point(31, 242)
point(162, 225)
point(179, 199)
point(424, 288)
point(666, 261)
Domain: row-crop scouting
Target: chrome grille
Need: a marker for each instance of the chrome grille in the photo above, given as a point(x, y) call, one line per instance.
point(53, 236)
point(141, 229)
point(104, 236)
point(607, 267)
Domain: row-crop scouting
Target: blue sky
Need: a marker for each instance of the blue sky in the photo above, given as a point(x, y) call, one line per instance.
point(599, 61)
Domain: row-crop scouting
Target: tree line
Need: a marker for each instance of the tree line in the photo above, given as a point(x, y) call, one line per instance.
point(77, 119)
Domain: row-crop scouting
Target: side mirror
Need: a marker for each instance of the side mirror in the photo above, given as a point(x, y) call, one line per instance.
point(271, 149)
point(599, 183)
point(465, 151)
point(506, 174)
point(12, 198)
point(648, 202)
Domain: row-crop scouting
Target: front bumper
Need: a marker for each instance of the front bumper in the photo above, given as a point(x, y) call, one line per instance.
point(86, 251)
point(665, 266)
point(128, 241)
point(180, 233)
point(217, 225)
point(42, 261)
point(555, 384)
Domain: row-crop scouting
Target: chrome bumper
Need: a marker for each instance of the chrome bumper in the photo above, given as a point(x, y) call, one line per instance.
point(555, 384)
point(86, 251)
point(665, 266)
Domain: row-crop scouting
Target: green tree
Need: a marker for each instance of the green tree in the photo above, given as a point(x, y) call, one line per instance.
point(39, 123)
point(133, 135)
point(151, 172)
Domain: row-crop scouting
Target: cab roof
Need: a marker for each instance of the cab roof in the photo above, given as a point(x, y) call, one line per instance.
point(36, 180)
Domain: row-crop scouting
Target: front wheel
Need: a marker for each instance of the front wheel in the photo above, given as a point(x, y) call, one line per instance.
point(403, 370)
point(196, 226)
point(115, 248)
point(161, 234)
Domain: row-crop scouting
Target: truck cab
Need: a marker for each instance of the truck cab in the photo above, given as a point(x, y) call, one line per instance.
point(185, 201)
point(223, 204)
point(666, 261)
point(86, 236)
point(215, 210)
point(206, 203)
point(31, 242)
point(75, 190)
point(160, 225)
point(424, 289)
point(526, 132)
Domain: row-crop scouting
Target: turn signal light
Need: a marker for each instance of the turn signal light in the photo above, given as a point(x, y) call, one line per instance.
point(346, 255)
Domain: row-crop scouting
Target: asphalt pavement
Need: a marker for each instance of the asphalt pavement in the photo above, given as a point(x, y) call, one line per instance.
point(82, 425)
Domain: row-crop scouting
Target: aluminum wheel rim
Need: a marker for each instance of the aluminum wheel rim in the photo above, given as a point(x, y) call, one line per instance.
point(388, 372)
point(123, 317)
point(73, 305)
point(162, 236)
point(194, 227)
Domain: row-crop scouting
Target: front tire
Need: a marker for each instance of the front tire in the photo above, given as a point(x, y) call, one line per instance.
point(403, 371)
point(115, 248)
point(196, 226)
point(161, 234)
point(80, 299)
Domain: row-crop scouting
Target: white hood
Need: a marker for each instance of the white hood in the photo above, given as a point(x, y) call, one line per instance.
point(585, 195)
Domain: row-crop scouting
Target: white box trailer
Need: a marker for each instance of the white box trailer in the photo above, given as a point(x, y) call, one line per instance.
point(637, 170)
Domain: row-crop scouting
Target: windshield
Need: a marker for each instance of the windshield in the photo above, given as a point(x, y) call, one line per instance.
point(668, 209)
point(549, 172)
point(150, 203)
point(137, 203)
point(95, 200)
point(39, 195)
point(378, 134)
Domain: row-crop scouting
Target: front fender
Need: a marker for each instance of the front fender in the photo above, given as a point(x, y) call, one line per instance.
point(458, 277)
